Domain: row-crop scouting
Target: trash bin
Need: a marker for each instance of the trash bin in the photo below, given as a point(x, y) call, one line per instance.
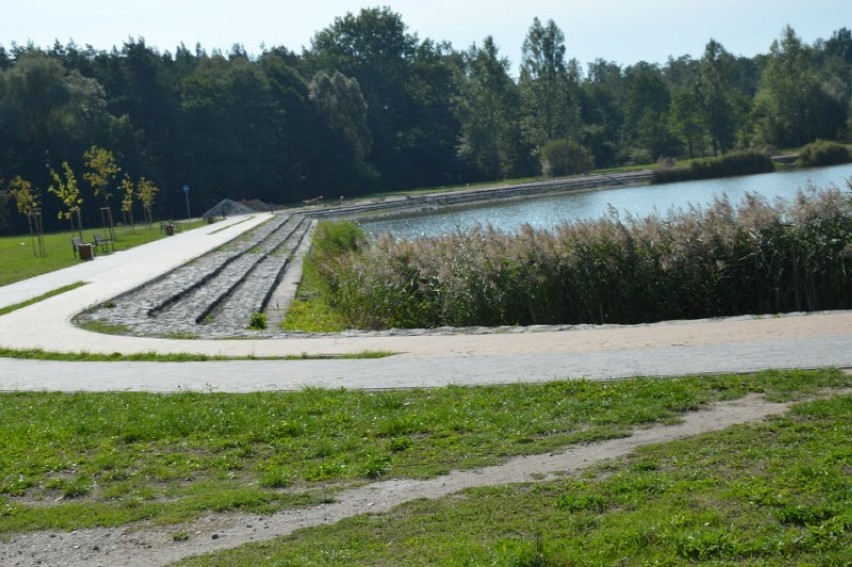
point(170, 230)
point(85, 251)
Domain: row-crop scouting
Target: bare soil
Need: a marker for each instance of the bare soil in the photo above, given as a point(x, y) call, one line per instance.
point(147, 545)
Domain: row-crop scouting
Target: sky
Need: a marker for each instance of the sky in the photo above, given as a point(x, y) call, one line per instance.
point(622, 31)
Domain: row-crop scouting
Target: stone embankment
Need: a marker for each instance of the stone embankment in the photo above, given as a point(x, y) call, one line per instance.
point(213, 296)
point(401, 205)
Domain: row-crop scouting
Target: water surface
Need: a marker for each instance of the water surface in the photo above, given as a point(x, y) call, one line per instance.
point(639, 201)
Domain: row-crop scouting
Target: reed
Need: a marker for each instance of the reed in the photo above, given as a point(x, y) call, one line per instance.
point(753, 258)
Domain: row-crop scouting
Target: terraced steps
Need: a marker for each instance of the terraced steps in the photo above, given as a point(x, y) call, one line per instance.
point(214, 295)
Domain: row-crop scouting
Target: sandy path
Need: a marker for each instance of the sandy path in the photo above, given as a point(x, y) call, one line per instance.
point(143, 545)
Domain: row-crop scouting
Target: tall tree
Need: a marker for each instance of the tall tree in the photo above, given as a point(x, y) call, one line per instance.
point(548, 86)
point(717, 97)
point(792, 106)
point(375, 49)
point(603, 111)
point(489, 132)
point(686, 118)
point(347, 142)
point(646, 110)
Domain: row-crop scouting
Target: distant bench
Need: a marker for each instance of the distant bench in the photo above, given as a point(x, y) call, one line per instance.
point(169, 228)
point(103, 243)
point(81, 249)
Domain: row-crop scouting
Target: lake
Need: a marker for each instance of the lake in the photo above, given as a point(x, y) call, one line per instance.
point(640, 201)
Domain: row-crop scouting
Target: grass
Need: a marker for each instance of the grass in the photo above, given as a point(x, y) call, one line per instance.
point(775, 493)
point(83, 356)
point(19, 263)
point(71, 461)
point(42, 297)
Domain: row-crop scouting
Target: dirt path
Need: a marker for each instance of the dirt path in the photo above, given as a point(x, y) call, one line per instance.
point(144, 545)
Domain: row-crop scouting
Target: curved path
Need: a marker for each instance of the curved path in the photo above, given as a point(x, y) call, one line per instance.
point(594, 352)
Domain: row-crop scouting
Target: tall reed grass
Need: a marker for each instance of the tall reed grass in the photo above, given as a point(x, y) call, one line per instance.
point(753, 258)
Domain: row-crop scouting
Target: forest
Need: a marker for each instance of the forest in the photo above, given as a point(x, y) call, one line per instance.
point(369, 107)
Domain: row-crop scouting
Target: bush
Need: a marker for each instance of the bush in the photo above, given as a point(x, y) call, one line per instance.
point(741, 163)
point(822, 153)
point(565, 157)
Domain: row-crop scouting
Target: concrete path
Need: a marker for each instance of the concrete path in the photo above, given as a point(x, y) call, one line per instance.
point(594, 352)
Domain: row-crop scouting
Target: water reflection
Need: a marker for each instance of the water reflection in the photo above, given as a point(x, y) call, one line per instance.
point(640, 201)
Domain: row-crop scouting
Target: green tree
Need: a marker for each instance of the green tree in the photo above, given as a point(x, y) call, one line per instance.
point(102, 171)
point(340, 101)
point(565, 157)
point(28, 205)
point(68, 192)
point(685, 118)
point(128, 191)
point(489, 133)
point(46, 111)
point(646, 110)
point(603, 94)
point(717, 97)
point(793, 107)
point(146, 192)
point(25, 199)
point(548, 87)
point(231, 131)
point(374, 48)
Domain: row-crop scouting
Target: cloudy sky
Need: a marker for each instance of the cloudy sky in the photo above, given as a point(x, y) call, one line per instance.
point(623, 31)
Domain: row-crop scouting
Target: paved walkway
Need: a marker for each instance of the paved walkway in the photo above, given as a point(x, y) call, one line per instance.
point(608, 352)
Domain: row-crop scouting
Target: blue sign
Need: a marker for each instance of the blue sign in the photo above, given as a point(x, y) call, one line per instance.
point(185, 189)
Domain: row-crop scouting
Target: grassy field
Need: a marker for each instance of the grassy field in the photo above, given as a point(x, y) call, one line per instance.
point(71, 461)
point(19, 263)
point(774, 493)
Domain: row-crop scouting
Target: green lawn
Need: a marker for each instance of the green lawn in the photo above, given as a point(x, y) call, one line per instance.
point(71, 461)
point(19, 262)
point(773, 493)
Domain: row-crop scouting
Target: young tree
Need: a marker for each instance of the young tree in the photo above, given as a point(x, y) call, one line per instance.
point(69, 193)
point(29, 206)
point(127, 201)
point(146, 192)
point(102, 171)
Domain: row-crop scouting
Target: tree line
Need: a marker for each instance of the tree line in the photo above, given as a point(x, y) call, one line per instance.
point(370, 107)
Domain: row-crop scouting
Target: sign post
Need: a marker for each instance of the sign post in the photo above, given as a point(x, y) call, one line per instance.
point(185, 190)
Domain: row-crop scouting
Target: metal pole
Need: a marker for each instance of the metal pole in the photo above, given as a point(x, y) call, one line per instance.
point(186, 194)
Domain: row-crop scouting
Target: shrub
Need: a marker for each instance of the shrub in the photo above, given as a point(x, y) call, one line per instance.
point(822, 153)
point(740, 163)
point(565, 157)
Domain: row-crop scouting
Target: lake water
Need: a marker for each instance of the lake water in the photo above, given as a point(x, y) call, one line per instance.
point(640, 201)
